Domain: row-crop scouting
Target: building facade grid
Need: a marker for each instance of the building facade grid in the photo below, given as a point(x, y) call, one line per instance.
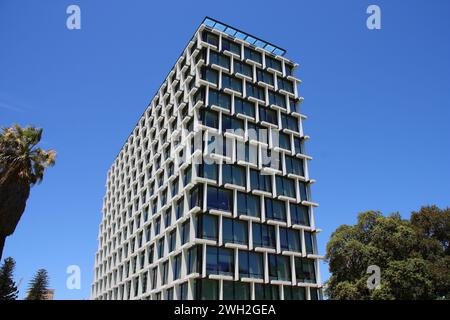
point(184, 218)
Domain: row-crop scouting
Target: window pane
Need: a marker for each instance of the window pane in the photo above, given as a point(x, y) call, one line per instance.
point(309, 242)
point(252, 55)
point(227, 230)
point(194, 259)
point(210, 75)
point(305, 270)
point(240, 232)
point(226, 262)
point(300, 214)
point(220, 199)
point(225, 199)
point(256, 263)
point(243, 263)
point(219, 59)
point(273, 63)
point(228, 290)
point(294, 240)
point(257, 237)
point(273, 267)
point(209, 227)
point(231, 46)
point(239, 176)
point(241, 291)
point(284, 268)
point(303, 194)
point(241, 203)
point(210, 171)
point(243, 68)
point(244, 107)
point(253, 206)
point(185, 232)
point(210, 38)
point(314, 293)
point(298, 145)
point(211, 119)
point(299, 293)
point(208, 289)
point(284, 239)
point(211, 260)
point(275, 209)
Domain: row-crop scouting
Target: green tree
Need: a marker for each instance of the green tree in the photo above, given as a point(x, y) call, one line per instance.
point(38, 286)
point(8, 288)
point(22, 165)
point(413, 256)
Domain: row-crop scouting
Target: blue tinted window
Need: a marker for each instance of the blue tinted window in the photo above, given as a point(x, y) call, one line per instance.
point(298, 145)
point(210, 118)
point(273, 63)
point(252, 55)
point(210, 38)
point(210, 75)
point(299, 214)
point(248, 204)
point(185, 232)
point(275, 209)
point(243, 68)
point(207, 227)
point(309, 242)
point(244, 107)
point(219, 59)
point(231, 46)
point(231, 83)
point(289, 122)
point(277, 99)
point(233, 174)
point(176, 267)
point(263, 235)
point(305, 270)
point(259, 181)
point(220, 99)
point(268, 115)
point(219, 261)
point(264, 76)
point(286, 85)
point(234, 231)
point(255, 91)
point(285, 187)
point(279, 267)
point(251, 264)
point(303, 192)
point(219, 199)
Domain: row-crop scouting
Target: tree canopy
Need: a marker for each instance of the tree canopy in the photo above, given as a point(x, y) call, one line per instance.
point(8, 287)
point(413, 256)
point(22, 165)
point(38, 287)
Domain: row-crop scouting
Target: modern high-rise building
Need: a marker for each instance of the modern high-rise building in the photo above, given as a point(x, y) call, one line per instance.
point(210, 197)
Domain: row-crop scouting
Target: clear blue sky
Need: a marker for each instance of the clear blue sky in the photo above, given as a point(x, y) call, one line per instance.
point(378, 104)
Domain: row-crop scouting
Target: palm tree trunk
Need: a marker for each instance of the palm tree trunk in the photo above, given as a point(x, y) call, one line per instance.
point(2, 244)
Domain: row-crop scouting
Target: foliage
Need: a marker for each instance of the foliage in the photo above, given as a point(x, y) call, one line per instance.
point(38, 287)
point(413, 256)
point(22, 165)
point(8, 288)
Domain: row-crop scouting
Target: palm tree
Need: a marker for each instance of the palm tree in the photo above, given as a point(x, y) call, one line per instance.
point(22, 165)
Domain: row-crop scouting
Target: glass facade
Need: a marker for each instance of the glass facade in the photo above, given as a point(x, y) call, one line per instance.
point(239, 226)
point(234, 231)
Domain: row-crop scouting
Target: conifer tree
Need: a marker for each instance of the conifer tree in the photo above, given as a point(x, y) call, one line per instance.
point(8, 288)
point(38, 287)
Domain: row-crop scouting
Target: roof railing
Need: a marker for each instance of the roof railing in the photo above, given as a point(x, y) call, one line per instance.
point(238, 34)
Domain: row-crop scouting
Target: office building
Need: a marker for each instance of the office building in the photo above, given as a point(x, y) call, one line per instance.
point(210, 196)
